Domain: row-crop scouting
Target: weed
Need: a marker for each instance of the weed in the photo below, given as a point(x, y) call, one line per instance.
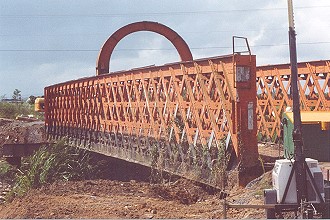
point(7, 172)
point(156, 175)
point(58, 162)
point(4, 168)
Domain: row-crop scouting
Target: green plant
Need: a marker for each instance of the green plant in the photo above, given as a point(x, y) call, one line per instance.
point(50, 163)
point(31, 99)
point(11, 110)
point(156, 175)
point(262, 164)
point(220, 162)
point(5, 170)
point(17, 95)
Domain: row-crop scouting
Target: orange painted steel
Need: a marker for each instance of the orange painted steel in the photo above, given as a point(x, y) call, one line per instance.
point(178, 113)
point(273, 92)
point(102, 63)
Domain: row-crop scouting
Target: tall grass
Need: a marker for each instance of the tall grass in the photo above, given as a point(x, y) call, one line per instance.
point(58, 162)
point(11, 110)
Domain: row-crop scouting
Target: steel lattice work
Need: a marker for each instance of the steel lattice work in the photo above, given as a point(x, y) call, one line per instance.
point(273, 93)
point(177, 115)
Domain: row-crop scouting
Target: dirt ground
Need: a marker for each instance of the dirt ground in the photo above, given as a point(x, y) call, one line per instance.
point(21, 132)
point(133, 197)
point(117, 199)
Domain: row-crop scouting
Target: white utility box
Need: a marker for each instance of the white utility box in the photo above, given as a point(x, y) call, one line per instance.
point(280, 177)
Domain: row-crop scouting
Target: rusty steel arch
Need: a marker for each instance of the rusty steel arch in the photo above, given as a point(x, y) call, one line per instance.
point(103, 61)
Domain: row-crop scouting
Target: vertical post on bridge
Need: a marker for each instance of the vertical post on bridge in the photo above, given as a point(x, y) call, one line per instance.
point(245, 114)
point(246, 118)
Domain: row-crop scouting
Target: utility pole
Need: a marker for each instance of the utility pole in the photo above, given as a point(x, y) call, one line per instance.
point(299, 164)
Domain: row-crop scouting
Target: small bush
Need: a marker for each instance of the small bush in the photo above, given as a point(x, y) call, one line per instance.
point(4, 167)
point(6, 171)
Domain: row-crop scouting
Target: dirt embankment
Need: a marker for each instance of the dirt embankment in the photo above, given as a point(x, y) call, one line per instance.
point(130, 196)
point(21, 132)
point(127, 193)
point(117, 199)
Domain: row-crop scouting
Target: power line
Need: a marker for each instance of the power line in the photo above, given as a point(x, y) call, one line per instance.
point(183, 32)
point(47, 50)
point(154, 49)
point(158, 13)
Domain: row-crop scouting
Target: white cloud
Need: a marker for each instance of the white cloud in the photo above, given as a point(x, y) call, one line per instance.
point(52, 73)
point(86, 25)
point(146, 57)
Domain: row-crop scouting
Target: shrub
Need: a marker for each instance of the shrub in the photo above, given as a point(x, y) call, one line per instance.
point(6, 171)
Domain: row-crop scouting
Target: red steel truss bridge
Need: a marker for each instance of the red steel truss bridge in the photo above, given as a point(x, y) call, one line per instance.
point(273, 93)
point(186, 117)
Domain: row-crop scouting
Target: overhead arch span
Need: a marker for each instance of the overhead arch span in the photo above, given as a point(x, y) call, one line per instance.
point(103, 61)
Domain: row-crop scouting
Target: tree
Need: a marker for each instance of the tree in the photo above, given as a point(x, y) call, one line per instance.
point(31, 99)
point(17, 95)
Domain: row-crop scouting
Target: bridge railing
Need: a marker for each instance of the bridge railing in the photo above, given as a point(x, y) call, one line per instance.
point(176, 116)
point(273, 93)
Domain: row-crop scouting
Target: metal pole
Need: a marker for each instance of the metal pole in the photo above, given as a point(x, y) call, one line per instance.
point(297, 137)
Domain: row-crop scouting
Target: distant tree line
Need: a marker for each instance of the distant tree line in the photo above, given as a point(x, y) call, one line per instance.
point(11, 108)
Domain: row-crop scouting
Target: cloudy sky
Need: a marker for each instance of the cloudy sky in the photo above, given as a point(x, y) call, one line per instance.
point(44, 42)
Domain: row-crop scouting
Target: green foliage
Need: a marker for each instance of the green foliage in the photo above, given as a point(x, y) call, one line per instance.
point(11, 110)
point(31, 99)
point(7, 172)
point(58, 162)
point(5, 169)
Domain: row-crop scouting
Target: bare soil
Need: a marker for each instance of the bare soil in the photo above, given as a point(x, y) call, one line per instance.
point(117, 199)
point(131, 195)
point(21, 132)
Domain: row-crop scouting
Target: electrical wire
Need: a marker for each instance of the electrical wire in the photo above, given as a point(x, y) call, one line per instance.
point(153, 49)
point(183, 32)
point(173, 13)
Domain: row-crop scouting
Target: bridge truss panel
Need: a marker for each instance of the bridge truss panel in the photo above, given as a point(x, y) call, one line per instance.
point(273, 93)
point(175, 117)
